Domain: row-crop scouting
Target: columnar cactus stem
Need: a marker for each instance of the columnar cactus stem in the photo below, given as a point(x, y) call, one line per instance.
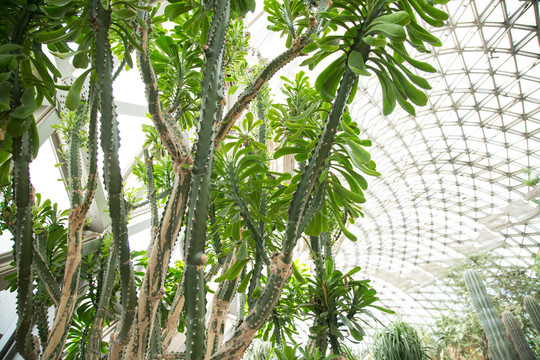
point(80, 204)
point(499, 346)
point(169, 329)
point(211, 106)
point(110, 143)
point(220, 306)
point(310, 177)
point(168, 131)
point(158, 263)
point(22, 156)
point(96, 336)
point(533, 309)
point(517, 336)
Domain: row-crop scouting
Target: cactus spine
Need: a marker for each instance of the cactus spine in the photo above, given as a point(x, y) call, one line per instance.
point(499, 345)
point(533, 309)
point(517, 337)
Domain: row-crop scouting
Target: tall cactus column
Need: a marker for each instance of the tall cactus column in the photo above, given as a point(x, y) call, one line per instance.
point(499, 346)
point(22, 155)
point(110, 143)
point(211, 106)
point(517, 336)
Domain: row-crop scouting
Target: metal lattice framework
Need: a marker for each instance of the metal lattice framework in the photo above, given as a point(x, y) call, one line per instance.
point(451, 181)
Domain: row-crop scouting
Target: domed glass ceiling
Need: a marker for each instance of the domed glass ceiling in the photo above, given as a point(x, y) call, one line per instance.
point(451, 182)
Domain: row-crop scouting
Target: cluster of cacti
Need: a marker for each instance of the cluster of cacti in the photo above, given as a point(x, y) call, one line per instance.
point(265, 214)
point(517, 336)
point(499, 344)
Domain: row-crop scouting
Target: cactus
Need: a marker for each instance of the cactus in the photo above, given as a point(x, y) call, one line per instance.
point(110, 143)
point(517, 337)
point(211, 106)
point(23, 243)
point(533, 309)
point(499, 346)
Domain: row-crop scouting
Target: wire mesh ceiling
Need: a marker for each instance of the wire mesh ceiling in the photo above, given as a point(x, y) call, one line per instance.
point(452, 177)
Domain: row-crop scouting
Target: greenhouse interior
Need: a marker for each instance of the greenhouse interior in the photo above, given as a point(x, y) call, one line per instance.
point(277, 179)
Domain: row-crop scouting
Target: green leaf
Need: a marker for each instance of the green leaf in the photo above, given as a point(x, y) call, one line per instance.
point(55, 12)
point(233, 271)
point(328, 80)
point(357, 153)
point(374, 41)
point(244, 283)
point(356, 63)
point(398, 17)
point(388, 93)
point(297, 274)
point(394, 32)
point(5, 170)
point(73, 98)
point(125, 13)
point(7, 48)
point(356, 332)
point(417, 64)
point(287, 151)
point(5, 91)
point(28, 105)
point(242, 253)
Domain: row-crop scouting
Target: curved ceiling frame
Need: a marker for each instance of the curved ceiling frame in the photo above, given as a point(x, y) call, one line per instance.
point(459, 162)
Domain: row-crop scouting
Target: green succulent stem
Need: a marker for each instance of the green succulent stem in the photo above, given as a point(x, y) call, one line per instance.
point(310, 177)
point(257, 84)
point(499, 346)
point(80, 204)
point(167, 129)
point(220, 306)
point(110, 144)
point(517, 336)
point(533, 309)
point(96, 336)
point(199, 193)
point(23, 236)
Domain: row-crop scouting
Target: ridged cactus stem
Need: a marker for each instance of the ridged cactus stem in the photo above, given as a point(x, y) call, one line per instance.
point(22, 190)
point(110, 143)
point(326, 241)
point(310, 177)
point(257, 84)
point(46, 277)
point(210, 111)
point(168, 130)
point(318, 342)
point(155, 349)
point(499, 346)
point(80, 203)
point(169, 328)
point(317, 255)
point(533, 309)
point(151, 187)
point(158, 263)
point(220, 306)
point(517, 336)
point(107, 284)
